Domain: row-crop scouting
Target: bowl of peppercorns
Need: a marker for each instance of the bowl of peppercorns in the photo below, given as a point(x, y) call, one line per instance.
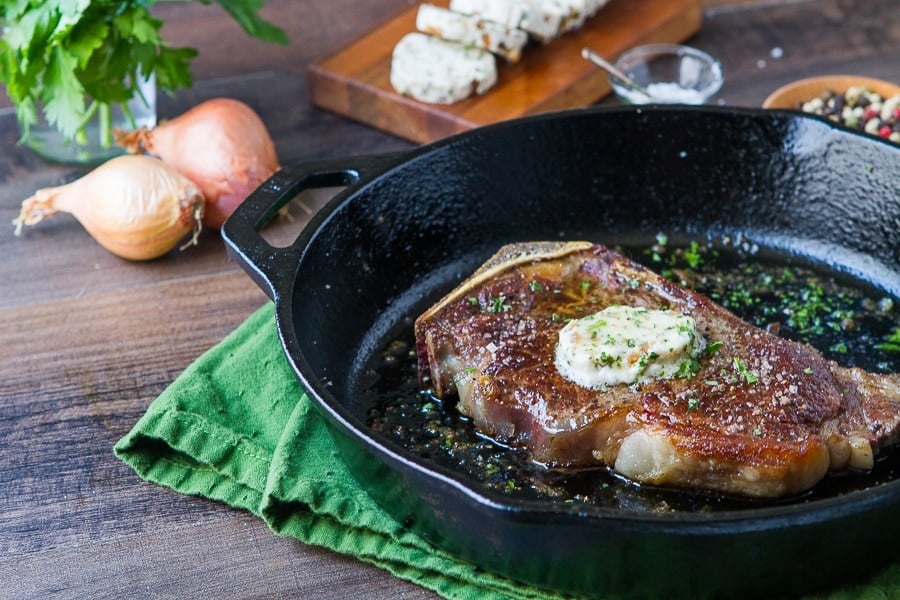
point(861, 103)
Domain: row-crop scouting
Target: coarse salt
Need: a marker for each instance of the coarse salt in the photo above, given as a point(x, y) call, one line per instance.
point(666, 93)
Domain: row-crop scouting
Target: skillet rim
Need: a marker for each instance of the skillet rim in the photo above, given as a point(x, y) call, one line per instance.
point(797, 512)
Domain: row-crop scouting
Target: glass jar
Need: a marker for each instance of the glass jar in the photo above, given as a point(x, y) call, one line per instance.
point(94, 144)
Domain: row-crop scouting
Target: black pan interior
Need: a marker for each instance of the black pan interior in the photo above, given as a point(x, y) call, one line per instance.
point(790, 184)
point(795, 185)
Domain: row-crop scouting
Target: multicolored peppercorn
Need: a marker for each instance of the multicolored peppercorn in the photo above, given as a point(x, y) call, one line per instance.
point(860, 109)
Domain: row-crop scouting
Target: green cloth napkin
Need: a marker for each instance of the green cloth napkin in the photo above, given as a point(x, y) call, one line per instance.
point(238, 428)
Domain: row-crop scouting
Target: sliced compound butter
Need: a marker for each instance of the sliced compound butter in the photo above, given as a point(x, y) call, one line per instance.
point(628, 345)
point(438, 71)
point(471, 30)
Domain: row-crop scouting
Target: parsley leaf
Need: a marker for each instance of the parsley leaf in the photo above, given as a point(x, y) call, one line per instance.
point(246, 12)
point(65, 107)
point(77, 58)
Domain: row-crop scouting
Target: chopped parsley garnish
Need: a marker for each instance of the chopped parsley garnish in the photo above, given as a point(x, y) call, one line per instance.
point(688, 368)
point(499, 304)
point(743, 371)
point(893, 342)
point(536, 286)
point(692, 255)
point(494, 304)
point(713, 347)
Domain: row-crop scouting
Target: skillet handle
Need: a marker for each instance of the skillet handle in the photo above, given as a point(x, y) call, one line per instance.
point(268, 265)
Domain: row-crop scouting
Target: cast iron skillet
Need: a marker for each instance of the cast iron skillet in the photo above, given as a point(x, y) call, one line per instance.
point(408, 227)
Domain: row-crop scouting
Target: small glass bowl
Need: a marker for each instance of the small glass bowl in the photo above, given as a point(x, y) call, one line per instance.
point(671, 73)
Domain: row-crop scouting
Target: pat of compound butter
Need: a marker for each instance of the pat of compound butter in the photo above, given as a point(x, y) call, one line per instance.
point(628, 345)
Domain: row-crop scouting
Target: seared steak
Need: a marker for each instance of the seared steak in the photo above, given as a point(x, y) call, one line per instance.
point(739, 410)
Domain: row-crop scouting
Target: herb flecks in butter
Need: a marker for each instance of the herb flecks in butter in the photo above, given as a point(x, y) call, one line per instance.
point(628, 345)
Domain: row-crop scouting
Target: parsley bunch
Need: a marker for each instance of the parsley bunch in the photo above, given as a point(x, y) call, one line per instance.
point(77, 58)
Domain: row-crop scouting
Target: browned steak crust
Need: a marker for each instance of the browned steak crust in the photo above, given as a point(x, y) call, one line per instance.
point(762, 417)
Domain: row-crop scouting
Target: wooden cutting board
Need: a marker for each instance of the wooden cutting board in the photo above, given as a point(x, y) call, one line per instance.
point(354, 82)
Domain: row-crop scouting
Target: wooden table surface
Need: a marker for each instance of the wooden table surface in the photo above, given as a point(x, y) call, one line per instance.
point(89, 340)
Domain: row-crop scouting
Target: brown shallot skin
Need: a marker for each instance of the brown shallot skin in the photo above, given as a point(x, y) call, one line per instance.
point(221, 144)
point(137, 207)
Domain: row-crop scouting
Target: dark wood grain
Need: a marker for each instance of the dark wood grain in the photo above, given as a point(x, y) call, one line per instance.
point(89, 340)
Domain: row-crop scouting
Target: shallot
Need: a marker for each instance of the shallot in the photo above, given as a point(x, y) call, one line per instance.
point(137, 207)
point(222, 145)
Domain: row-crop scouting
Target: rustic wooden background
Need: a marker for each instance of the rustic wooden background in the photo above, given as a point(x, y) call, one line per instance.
point(88, 340)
